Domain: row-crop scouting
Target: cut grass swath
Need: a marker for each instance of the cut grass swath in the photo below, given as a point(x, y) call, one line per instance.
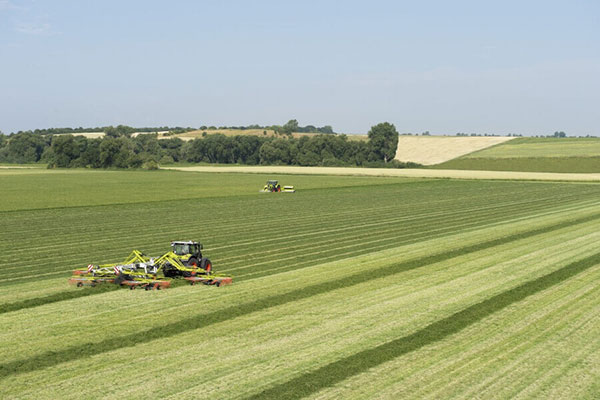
point(346, 367)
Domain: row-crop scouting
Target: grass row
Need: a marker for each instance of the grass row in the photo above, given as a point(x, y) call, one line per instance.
point(359, 362)
point(541, 348)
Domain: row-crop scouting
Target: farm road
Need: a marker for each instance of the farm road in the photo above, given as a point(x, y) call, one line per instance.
point(406, 173)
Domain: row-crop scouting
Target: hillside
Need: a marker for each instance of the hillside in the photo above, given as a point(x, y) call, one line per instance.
point(577, 155)
point(430, 150)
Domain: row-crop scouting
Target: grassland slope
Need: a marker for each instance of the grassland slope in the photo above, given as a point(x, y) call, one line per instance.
point(577, 155)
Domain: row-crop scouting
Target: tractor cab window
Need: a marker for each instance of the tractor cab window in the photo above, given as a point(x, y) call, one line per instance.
point(181, 249)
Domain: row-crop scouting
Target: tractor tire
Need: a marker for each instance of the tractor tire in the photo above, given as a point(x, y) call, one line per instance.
point(192, 261)
point(169, 271)
point(206, 265)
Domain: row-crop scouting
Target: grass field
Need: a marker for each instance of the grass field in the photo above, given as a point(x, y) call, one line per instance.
point(371, 288)
point(578, 155)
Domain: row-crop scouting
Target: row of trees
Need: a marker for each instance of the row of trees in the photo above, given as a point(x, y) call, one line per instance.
point(119, 150)
point(289, 127)
point(123, 128)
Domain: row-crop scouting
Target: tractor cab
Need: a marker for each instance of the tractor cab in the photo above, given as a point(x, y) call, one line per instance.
point(272, 186)
point(188, 252)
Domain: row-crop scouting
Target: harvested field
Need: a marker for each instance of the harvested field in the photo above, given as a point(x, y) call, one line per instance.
point(354, 287)
point(430, 150)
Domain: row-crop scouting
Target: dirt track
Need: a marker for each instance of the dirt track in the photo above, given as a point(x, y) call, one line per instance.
point(408, 173)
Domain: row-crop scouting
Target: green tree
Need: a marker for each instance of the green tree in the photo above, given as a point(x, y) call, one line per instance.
point(290, 127)
point(383, 140)
point(64, 150)
point(119, 130)
point(25, 147)
point(115, 152)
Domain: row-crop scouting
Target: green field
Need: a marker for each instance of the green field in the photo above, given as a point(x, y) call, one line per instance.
point(534, 154)
point(353, 287)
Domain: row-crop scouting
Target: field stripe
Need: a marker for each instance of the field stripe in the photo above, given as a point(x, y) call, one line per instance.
point(359, 362)
point(52, 358)
point(53, 298)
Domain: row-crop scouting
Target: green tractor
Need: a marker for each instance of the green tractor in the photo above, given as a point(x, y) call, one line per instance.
point(274, 187)
point(190, 254)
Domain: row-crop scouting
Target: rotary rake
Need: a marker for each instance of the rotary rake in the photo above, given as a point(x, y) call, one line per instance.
point(141, 271)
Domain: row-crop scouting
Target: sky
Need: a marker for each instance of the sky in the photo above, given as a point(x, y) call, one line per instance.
point(496, 67)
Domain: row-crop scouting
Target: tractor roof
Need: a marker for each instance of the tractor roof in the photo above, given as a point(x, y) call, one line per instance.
point(271, 182)
point(183, 242)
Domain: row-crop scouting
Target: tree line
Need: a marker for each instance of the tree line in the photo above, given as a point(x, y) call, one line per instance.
point(119, 150)
point(288, 128)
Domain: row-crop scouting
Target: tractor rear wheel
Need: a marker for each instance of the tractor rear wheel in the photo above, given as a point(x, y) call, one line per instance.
point(206, 265)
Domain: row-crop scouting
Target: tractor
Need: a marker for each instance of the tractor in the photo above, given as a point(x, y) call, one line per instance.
point(275, 187)
point(139, 270)
point(272, 186)
point(190, 254)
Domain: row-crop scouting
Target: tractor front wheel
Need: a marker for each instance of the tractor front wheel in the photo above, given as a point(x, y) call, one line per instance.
point(206, 265)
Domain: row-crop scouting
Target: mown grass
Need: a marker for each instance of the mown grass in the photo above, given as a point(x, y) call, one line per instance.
point(26, 189)
point(322, 278)
point(203, 320)
point(346, 367)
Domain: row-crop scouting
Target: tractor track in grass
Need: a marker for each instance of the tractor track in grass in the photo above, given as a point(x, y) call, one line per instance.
point(328, 375)
point(49, 271)
point(53, 358)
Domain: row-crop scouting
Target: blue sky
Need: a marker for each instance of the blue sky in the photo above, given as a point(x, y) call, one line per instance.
point(528, 67)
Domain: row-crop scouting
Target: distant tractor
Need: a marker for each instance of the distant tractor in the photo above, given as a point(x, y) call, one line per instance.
point(274, 187)
point(190, 254)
